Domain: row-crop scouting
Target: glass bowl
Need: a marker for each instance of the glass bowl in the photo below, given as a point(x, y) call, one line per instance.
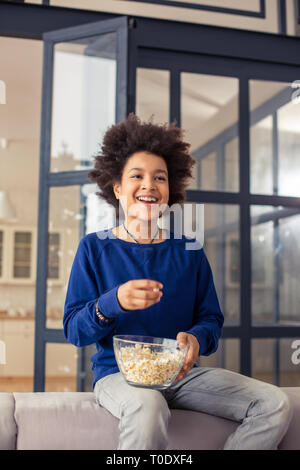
point(147, 361)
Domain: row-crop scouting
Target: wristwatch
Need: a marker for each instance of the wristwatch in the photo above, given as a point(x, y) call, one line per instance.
point(101, 316)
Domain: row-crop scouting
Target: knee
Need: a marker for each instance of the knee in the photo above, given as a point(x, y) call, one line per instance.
point(284, 406)
point(278, 404)
point(144, 421)
point(153, 420)
point(154, 407)
point(154, 416)
point(149, 404)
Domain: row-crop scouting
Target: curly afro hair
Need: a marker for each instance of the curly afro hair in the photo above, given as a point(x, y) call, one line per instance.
point(130, 136)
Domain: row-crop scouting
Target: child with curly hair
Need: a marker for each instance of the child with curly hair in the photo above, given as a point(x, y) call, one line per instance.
point(137, 278)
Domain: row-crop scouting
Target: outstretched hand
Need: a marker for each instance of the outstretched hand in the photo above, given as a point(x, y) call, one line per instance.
point(192, 354)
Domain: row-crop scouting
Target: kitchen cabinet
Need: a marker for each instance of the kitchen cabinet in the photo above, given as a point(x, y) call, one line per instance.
point(18, 336)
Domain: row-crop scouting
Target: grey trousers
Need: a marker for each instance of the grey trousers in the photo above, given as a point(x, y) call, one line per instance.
point(263, 410)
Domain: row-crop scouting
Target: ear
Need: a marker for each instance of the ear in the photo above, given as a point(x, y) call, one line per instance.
point(116, 189)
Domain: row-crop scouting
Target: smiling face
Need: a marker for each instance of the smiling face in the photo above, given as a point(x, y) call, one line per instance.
point(144, 188)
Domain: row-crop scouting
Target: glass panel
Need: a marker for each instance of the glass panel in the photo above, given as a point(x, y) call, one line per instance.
point(262, 264)
point(22, 255)
point(227, 356)
point(19, 174)
point(209, 118)
point(276, 361)
point(221, 245)
point(289, 246)
point(275, 138)
point(152, 94)
point(84, 99)
point(54, 252)
point(74, 211)
point(23, 238)
point(275, 250)
point(288, 117)
point(61, 368)
point(208, 167)
point(262, 360)
point(232, 165)
point(261, 133)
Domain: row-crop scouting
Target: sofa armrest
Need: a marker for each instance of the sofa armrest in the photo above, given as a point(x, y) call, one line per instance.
point(8, 426)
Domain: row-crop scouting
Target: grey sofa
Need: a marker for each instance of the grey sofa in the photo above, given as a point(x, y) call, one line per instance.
point(73, 420)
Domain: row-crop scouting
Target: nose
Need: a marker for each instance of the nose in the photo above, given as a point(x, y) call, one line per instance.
point(146, 186)
point(148, 183)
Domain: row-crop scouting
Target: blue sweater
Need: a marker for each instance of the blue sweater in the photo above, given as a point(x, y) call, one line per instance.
point(103, 262)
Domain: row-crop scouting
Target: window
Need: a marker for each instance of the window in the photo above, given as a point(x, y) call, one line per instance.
point(22, 255)
point(18, 256)
point(21, 258)
point(234, 261)
point(259, 277)
point(53, 255)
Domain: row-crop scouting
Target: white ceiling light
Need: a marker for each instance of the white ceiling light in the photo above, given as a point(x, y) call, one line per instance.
point(3, 142)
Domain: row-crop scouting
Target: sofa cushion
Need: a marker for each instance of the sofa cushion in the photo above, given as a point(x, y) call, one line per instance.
point(291, 440)
point(73, 420)
point(8, 427)
point(63, 420)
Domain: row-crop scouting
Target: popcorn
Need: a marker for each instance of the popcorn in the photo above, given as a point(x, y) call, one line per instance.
point(144, 366)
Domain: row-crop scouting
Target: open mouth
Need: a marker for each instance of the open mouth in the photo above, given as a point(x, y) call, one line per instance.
point(147, 200)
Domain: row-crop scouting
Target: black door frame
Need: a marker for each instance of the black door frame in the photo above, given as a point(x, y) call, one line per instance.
point(223, 51)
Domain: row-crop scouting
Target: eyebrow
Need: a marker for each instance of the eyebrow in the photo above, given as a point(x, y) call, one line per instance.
point(155, 171)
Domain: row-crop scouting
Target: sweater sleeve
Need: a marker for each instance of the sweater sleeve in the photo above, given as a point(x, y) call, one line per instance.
point(80, 322)
point(208, 318)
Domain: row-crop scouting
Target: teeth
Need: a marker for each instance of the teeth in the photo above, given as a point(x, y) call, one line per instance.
point(148, 199)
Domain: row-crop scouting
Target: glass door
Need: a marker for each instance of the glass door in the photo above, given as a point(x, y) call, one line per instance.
point(84, 92)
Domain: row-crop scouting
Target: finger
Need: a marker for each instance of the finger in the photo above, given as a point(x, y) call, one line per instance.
point(184, 368)
point(141, 304)
point(146, 284)
point(189, 359)
point(144, 303)
point(182, 373)
point(181, 339)
point(146, 294)
point(179, 377)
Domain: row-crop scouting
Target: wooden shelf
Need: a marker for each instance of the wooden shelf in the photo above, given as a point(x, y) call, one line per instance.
point(16, 317)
